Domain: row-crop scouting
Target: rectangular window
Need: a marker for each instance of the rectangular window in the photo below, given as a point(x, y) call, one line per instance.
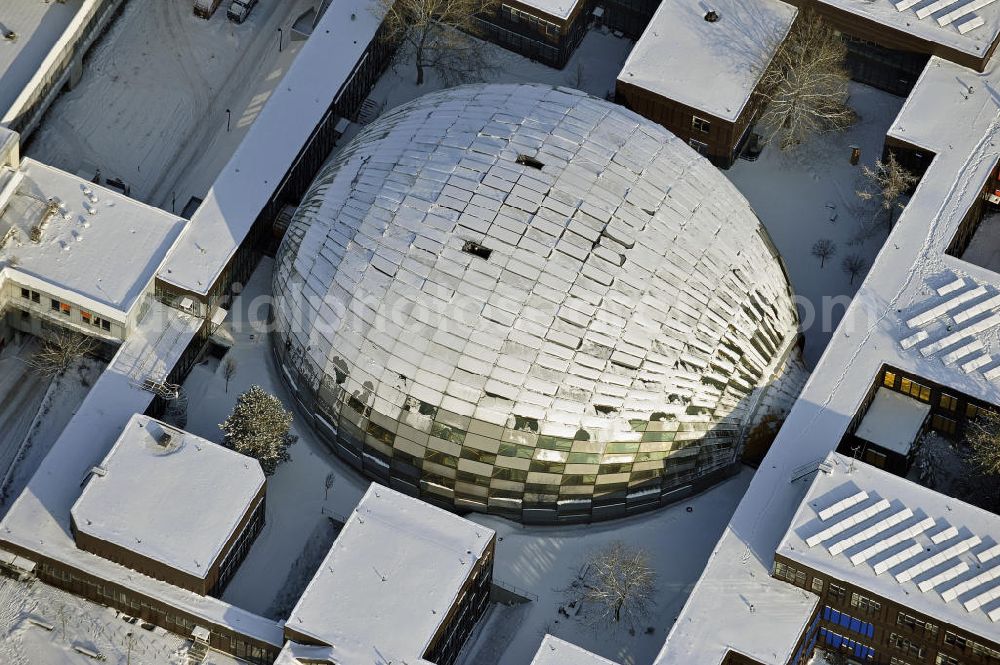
point(972, 411)
point(26, 294)
point(889, 380)
point(906, 646)
point(954, 640)
point(35, 297)
point(85, 316)
point(700, 148)
point(65, 309)
point(105, 324)
point(866, 605)
point(942, 424)
point(817, 585)
point(945, 659)
point(700, 124)
point(54, 304)
point(949, 402)
point(914, 389)
point(838, 592)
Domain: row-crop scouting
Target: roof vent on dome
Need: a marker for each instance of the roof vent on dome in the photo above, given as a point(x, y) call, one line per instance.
point(525, 160)
point(712, 16)
point(476, 249)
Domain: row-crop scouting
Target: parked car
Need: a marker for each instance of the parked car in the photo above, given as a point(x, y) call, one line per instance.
point(205, 8)
point(240, 9)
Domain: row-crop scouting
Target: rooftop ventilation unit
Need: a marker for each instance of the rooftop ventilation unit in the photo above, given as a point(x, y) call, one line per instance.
point(525, 160)
point(476, 249)
point(712, 16)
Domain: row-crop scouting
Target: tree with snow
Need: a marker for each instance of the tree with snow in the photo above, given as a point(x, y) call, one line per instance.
point(60, 351)
point(228, 371)
point(437, 34)
point(823, 249)
point(887, 182)
point(852, 265)
point(983, 436)
point(619, 583)
point(258, 427)
point(805, 85)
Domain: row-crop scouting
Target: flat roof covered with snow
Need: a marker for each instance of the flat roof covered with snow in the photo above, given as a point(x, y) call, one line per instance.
point(901, 541)
point(967, 26)
point(38, 26)
point(97, 244)
point(39, 519)
point(168, 495)
point(710, 66)
point(554, 651)
point(920, 311)
point(391, 575)
point(893, 421)
point(259, 165)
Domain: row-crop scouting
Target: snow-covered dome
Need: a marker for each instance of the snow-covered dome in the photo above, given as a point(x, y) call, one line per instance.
point(522, 299)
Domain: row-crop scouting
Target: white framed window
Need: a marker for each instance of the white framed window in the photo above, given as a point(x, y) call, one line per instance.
point(700, 124)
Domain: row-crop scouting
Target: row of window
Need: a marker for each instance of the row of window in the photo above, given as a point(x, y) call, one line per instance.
point(847, 621)
point(864, 604)
point(947, 402)
point(518, 16)
point(126, 601)
point(915, 624)
point(786, 572)
point(66, 310)
point(906, 645)
point(965, 643)
point(853, 647)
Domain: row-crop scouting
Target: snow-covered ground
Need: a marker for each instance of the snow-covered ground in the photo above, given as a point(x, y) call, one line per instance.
point(33, 411)
point(545, 561)
point(593, 68)
point(151, 106)
point(809, 194)
point(77, 622)
point(296, 494)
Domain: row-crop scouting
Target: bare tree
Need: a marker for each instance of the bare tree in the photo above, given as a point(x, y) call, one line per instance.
point(823, 249)
point(620, 583)
point(328, 484)
point(852, 265)
point(228, 371)
point(805, 86)
point(983, 436)
point(60, 351)
point(436, 34)
point(887, 182)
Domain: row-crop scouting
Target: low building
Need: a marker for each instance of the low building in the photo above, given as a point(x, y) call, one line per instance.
point(73, 254)
point(903, 573)
point(891, 426)
point(544, 30)
point(554, 651)
point(697, 68)
point(171, 505)
point(404, 580)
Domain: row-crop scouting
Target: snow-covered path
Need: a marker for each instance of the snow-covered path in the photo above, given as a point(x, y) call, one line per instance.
point(21, 393)
point(155, 90)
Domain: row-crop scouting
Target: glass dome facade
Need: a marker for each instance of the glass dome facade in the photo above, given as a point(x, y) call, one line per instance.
point(523, 300)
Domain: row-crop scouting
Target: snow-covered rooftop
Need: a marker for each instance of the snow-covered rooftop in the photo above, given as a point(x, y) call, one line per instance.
point(893, 421)
point(710, 66)
point(963, 130)
point(38, 25)
point(559, 9)
point(269, 149)
point(901, 541)
point(97, 245)
point(391, 576)
point(39, 519)
point(554, 651)
point(168, 495)
point(968, 26)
